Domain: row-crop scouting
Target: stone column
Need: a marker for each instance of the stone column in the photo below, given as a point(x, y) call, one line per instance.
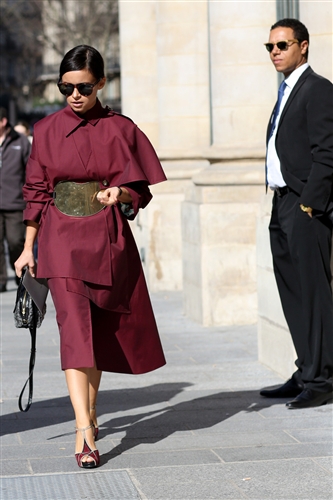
point(243, 80)
point(219, 247)
point(183, 80)
point(219, 212)
point(317, 17)
point(139, 71)
point(157, 229)
point(165, 90)
point(275, 347)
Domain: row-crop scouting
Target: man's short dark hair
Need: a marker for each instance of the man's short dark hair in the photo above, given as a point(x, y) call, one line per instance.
point(300, 31)
point(3, 113)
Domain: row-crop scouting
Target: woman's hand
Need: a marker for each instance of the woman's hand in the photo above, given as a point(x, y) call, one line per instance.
point(27, 256)
point(25, 259)
point(113, 195)
point(108, 196)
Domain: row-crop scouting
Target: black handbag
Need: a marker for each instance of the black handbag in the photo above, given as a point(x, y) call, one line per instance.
point(29, 312)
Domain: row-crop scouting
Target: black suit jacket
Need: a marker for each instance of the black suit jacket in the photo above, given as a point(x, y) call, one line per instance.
point(304, 141)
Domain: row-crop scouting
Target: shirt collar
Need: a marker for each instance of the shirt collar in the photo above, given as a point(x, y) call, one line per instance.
point(74, 120)
point(295, 75)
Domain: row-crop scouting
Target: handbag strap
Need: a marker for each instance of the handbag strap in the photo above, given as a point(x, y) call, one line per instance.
point(31, 365)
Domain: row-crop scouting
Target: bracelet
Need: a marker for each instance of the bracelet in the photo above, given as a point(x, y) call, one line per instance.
point(308, 210)
point(120, 192)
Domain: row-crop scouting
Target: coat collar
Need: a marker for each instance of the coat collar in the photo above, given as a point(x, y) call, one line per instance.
point(74, 120)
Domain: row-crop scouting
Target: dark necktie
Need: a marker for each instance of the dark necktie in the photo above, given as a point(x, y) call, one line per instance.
point(277, 108)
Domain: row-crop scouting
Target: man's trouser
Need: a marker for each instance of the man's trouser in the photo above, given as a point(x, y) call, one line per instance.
point(12, 230)
point(301, 248)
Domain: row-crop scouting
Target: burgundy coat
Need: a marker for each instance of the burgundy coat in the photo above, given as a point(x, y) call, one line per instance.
point(96, 254)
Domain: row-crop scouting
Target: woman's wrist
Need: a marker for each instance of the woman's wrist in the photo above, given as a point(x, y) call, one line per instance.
point(123, 195)
point(29, 247)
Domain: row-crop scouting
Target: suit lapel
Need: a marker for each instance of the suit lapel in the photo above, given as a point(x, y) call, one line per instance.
point(297, 87)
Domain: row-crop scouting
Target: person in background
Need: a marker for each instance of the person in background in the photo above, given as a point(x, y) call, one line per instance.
point(299, 165)
point(89, 171)
point(22, 127)
point(14, 154)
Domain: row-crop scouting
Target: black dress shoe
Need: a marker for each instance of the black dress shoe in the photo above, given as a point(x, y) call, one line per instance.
point(290, 389)
point(310, 398)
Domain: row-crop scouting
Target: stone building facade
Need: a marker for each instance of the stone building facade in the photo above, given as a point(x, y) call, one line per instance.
point(198, 81)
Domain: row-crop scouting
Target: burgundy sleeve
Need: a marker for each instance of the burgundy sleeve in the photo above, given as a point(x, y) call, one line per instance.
point(35, 190)
point(141, 196)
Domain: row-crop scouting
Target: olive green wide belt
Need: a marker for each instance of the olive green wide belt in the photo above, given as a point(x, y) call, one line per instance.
point(77, 199)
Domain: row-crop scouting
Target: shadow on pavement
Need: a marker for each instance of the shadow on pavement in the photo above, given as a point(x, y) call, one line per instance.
point(195, 414)
point(42, 413)
point(147, 426)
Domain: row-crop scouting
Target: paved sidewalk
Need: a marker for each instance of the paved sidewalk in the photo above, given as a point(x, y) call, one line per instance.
point(196, 429)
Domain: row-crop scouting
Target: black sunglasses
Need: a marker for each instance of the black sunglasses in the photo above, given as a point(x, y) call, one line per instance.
point(282, 45)
point(84, 89)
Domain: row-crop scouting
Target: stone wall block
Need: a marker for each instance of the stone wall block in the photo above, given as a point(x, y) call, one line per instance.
point(252, 92)
point(264, 256)
point(317, 17)
point(269, 304)
point(181, 37)
point(192, 302)
point(186, 100)
point(164, 250)
point(221, 239)
point(234, 53)
point(191, 227)
point(242, 14)
point(182, 69)
point(187, 10)
point(184, 132)
point(157, 229)
point(231, 130)
point(275, 348)
point(228, 224)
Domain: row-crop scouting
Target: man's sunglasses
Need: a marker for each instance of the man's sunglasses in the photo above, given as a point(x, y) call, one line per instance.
point(84, 89)
point(282, 45)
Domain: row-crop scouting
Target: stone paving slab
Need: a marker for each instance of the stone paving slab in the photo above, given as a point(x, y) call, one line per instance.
point(312, 435)
point(325, 463)
point(266, 452)
point(221, 440)
point(276, 480)
point(195, 429)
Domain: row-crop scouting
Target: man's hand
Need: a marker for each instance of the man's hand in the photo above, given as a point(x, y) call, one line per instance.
point(308, 210)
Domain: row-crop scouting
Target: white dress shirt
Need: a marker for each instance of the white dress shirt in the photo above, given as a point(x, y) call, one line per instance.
point(274, 175)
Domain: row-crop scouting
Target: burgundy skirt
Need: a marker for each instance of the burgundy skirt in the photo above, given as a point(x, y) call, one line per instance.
point(118, 342)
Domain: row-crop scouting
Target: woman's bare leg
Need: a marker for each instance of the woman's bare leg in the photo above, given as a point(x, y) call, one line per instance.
point(78, 383)
point(94, 381)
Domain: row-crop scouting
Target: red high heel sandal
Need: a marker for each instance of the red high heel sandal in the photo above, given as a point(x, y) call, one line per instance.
point(87, 452)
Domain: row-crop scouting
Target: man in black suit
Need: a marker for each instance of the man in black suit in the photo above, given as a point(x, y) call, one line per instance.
point(299, 167)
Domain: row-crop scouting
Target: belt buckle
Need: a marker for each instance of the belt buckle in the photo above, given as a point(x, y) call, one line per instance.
point(77, 199)
point(281, 191)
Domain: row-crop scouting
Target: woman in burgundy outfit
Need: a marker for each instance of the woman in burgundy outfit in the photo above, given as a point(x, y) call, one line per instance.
point(89, 172)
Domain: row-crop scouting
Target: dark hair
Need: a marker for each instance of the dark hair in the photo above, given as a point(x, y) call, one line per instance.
point(3, 113)
point(23, 124)
point(300, 31)
point(83, 57)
